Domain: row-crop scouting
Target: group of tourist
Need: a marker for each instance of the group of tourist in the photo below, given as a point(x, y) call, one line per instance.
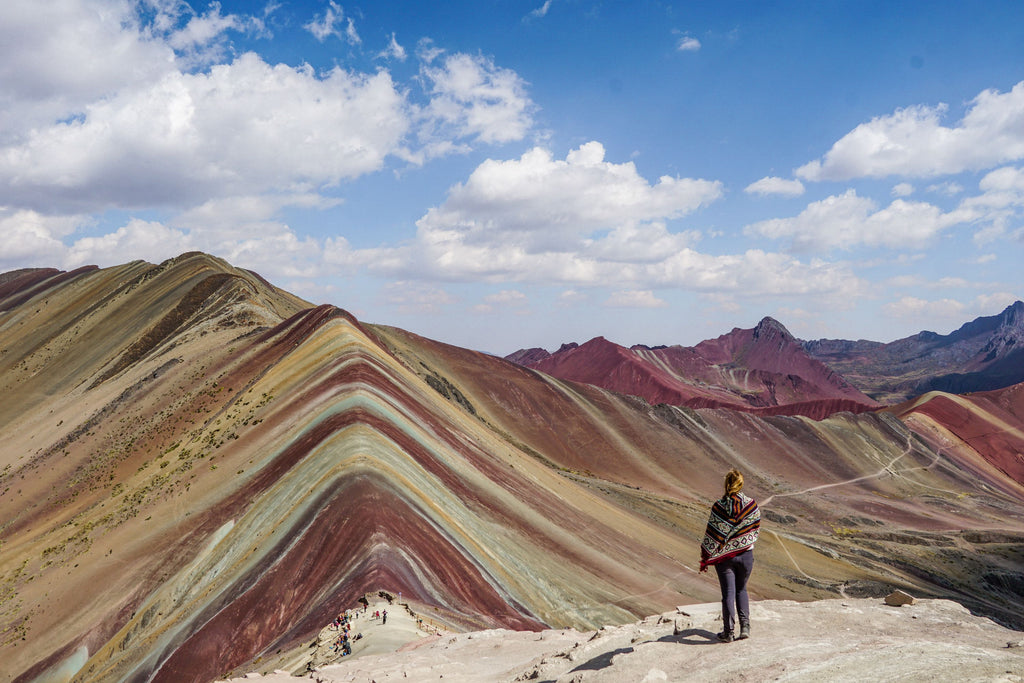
point(343, 643)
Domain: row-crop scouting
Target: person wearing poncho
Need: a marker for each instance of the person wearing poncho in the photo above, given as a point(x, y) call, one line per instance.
point(728, 544)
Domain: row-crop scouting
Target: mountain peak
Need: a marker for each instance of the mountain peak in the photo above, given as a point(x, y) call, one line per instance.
point(770, 327)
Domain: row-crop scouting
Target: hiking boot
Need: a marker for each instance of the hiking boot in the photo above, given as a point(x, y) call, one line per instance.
point(725, 637)
point(744, 632)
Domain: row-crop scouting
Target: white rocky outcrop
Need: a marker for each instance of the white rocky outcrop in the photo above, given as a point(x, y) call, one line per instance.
point(829, 640)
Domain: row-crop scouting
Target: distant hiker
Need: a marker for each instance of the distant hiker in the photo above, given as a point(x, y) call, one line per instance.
point(729, 545)
point(385, 617)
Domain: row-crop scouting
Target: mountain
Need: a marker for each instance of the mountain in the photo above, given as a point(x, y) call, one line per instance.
point(764, 370)
point(198, 470)
point(987, 353)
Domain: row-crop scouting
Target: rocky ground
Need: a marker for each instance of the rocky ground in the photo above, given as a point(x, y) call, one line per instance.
point(828, 640)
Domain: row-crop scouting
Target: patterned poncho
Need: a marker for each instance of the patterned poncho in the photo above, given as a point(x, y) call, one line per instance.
point(732, 529)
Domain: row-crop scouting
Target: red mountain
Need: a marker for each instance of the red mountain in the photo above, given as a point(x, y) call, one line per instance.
point(764, 370)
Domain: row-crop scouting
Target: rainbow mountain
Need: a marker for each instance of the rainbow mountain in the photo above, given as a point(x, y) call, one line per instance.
point(198, 470)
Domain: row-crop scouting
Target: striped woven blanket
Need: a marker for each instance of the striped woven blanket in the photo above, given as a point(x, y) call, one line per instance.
point(732, 529)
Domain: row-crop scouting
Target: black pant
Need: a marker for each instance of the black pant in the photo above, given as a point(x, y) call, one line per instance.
point(732, 577)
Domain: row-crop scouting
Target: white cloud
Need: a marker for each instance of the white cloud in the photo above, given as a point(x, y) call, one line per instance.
point(755, 273)
point(416, 297)
point(32, 238)
point(688, 44)
point(634, 299)
point(470, 97)
point(393, 50)
point(848, 220)
point(505, 300)
point(333, 23)
point(227, 220)
point(540, 202)
point(151, 241)
point(276, 254)
point(996, 302)
point(1007, 179)
point(507, 297)
point(541, 11)
point(913, 141)
point(201, 40)
point(570, 297)
point(58, 56)
point(772, 185)
point(427, 52)
point(999, 205)
point(949, 188)
point(639, 242)
point(902, 190)
point(243, 127)
point(944, 315)
point(79, 132)
point(585, 222)
point(913, 308)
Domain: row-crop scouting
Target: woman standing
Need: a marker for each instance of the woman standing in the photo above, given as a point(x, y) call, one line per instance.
point(729, 545)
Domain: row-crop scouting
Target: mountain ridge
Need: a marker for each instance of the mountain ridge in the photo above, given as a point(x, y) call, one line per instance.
point(985, 353)
point(763, 370)
point(982, 354)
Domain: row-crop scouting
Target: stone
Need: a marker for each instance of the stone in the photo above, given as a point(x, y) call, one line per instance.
point(899, 598)
point(681, 624)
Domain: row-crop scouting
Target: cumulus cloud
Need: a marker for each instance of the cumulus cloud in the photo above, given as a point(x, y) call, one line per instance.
point(148, 240)
point(771, 185)
point(56, 57)
point(538, 203)
point(240, 128)
point(473, 98)
point(31, 237)
point(584, 222)
point(81, 133)
point(914, 142)
point(999, 205)
point(848, 220)
point(634, 299)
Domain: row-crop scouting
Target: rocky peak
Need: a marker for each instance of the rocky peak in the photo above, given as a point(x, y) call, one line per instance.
point(770, 329)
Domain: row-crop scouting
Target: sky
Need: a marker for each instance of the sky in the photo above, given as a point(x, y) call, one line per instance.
point(506, 174)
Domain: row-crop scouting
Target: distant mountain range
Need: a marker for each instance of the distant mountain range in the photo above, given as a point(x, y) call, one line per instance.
point(986, 353)
point(199, 470)
point(768, 371)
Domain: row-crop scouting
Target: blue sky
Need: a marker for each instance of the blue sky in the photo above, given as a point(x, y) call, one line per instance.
point(502, 174)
